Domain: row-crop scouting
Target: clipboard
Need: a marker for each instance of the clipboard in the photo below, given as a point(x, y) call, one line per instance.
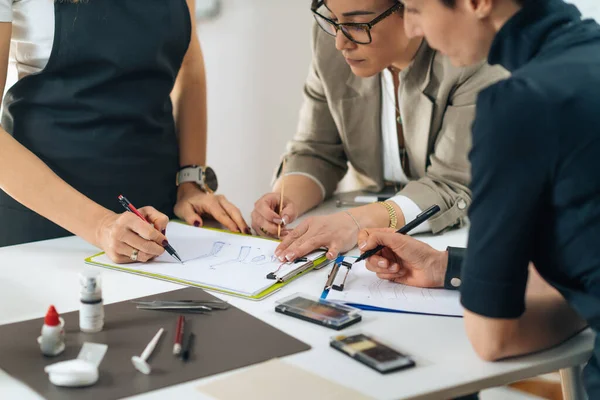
point(219, 284)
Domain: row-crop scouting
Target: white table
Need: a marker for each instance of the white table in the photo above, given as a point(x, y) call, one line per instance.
point(32, 276)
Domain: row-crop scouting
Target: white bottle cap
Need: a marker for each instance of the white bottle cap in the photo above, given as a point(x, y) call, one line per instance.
point(90, 284)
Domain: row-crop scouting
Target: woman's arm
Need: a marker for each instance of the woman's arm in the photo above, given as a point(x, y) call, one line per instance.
point(189, 107)
point(547, 321)
point(315, 161)
point(304, 191)
point(316, 152)
point(24, 177)
point(448, 173)
point(28, 180)
point(189, 102)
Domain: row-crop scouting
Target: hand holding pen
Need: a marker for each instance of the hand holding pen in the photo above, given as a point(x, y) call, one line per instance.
point(368, 242)
point(404, 259)
point(129, 237)
point(424, 216)
point(126, 238)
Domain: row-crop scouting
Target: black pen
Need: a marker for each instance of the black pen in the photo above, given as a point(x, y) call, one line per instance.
point(129, 207)
point(187, 347)
point(424, 216)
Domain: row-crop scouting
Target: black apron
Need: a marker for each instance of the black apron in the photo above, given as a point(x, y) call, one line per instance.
point(99, 115)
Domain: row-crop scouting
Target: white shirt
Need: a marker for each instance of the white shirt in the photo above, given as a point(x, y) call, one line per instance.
point(392, 167)
point(32, 35)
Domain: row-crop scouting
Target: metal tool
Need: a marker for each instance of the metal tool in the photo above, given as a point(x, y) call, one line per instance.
point(182, 305)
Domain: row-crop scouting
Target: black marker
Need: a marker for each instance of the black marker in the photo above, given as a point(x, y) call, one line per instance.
point(424, 216)
point(187, 347)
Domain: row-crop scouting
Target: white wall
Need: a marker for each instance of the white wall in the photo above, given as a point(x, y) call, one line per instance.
point(589, 8)
point(257, 54)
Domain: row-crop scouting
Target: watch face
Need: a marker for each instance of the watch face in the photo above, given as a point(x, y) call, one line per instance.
point(210, 179)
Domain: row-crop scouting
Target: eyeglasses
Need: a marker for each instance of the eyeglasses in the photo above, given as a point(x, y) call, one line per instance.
point(359, 33)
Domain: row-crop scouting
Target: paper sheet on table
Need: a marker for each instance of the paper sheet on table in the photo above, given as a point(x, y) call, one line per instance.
point(275, 380)
point(365, 288)
point(217, 259)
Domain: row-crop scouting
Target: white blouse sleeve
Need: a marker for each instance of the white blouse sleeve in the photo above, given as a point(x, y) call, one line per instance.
point(6, 14)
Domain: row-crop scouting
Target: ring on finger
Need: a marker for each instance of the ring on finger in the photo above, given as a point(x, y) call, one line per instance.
point(134, 255)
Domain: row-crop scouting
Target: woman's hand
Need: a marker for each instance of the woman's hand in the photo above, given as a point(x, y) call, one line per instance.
point(404, 259)
point(193, 203)
point(127, 238)
point(336, 232)
point(265, 217)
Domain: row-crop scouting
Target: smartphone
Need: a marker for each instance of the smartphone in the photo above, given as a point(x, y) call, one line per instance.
point(319, 311)
point(372, 353)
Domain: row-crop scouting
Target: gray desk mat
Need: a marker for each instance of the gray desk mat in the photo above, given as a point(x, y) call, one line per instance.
point(225, 340)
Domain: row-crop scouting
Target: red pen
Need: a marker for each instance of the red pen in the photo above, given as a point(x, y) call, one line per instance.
point(129, 207)
point(178, 335)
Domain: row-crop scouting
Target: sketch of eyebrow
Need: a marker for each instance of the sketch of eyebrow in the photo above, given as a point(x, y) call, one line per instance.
point(217, 247)
point(242, 255)
point(263, 258)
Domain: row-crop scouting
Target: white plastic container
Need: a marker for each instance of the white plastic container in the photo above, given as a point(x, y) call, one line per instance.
point(91, 308)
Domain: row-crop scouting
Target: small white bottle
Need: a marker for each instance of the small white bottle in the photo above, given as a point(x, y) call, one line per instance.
point(91, 308)
point(52, 340)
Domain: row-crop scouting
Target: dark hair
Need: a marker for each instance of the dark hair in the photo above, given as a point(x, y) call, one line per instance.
point(452, 3)
point(315, 3)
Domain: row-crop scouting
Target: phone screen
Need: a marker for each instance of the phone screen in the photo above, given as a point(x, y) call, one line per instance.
point(315, 310)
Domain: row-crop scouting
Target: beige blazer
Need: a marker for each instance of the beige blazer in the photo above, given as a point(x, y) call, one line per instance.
point(340, 123)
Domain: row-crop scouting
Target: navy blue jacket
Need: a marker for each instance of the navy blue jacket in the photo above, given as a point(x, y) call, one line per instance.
point(536, 169)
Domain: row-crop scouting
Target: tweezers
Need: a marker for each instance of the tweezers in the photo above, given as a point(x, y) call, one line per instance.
point(181, 305)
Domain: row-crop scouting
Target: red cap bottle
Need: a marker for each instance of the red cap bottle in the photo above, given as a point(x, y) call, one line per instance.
point(52, 341)
point(51, 318)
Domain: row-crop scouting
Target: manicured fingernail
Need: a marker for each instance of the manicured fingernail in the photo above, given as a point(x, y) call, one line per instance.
point(401, 273)
point(330, 255)
point(394, 268)
point(290, 256)
point(165, 243)
point(362, 245)
point(281, 258)
point(196, 224)
point(277, 221)
point(285, 220)
point(277, 253)
point(164, 231)
point(381, 264)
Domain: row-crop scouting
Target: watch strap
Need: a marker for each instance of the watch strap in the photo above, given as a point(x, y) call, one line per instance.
point(190, 173)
